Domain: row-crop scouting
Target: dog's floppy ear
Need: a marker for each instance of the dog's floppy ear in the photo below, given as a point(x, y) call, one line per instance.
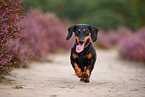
point(70, 32)
point(94, 32)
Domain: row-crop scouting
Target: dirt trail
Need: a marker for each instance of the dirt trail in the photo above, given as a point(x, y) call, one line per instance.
point(112, 77)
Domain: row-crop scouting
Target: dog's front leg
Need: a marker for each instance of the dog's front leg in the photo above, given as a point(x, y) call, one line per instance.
point(74, 63)
point(88, 69)
point(78, 71)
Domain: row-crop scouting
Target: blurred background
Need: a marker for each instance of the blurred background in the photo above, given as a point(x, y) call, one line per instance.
point(31, 29)
point(105, 14)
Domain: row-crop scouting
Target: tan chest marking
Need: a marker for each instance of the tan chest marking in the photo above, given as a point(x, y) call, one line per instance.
point(89, 55)
point(75, 56)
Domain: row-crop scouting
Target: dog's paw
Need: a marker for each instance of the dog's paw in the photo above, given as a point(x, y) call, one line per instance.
point(82, 79)
point(85, 75)
point(86, 80)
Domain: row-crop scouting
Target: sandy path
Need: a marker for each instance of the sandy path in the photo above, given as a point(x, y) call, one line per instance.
point(112, 77)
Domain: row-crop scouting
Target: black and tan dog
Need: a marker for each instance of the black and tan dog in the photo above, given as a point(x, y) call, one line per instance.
point(83, 54)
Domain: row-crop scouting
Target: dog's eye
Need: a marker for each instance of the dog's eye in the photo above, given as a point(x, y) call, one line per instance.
point(77, 32)
point(86, 32)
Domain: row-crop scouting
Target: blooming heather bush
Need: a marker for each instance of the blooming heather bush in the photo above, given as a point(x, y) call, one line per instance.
point(103, 41)
point(133, 46)
point(141, 33)
point(111, 38)
point(21, 53)
point(10, 14)
point(107, 40)
point(43, 33)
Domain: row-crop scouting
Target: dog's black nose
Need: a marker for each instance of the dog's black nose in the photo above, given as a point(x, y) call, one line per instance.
point(81, 41)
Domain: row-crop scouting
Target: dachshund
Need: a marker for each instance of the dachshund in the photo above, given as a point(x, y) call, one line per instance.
point(83, 54)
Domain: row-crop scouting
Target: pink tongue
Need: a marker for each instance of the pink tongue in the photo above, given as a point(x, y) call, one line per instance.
point(79, 48)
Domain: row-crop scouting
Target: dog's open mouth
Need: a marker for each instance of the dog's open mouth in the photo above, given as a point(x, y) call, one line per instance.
point(80, 48)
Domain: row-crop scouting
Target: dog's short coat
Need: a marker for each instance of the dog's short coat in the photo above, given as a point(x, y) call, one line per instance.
point(83, 54)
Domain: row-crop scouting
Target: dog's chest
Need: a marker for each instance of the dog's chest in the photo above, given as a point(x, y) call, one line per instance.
point(82, 59)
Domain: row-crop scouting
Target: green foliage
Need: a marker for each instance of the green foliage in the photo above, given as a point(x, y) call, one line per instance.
point(105, 14)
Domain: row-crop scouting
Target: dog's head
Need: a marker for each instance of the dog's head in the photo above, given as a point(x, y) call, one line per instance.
point(83, 32)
